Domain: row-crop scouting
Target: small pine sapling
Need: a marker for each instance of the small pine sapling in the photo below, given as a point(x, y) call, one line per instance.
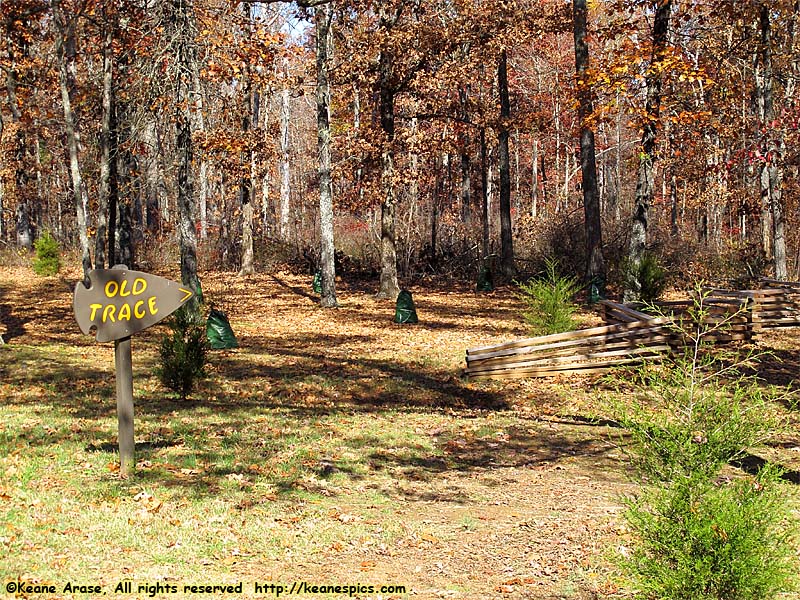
point(550, 301)
point(697, 534)
point(183, 353)
point(47, 261)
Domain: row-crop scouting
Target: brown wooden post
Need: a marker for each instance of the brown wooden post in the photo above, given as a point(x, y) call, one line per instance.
point(124, 374)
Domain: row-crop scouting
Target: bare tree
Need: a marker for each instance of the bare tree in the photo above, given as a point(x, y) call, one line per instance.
point(595, 267)
point(65, 52)
point(644, 180)
point(182, 31)
point(322, 20)
point(506, 239)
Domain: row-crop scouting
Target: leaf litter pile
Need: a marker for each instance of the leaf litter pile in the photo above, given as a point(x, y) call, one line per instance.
point(332, 447)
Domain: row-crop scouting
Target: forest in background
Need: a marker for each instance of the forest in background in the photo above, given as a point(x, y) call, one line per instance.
point(404, 137)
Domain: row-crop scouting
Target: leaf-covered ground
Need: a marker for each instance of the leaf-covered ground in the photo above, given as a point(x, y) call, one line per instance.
point(333, 447)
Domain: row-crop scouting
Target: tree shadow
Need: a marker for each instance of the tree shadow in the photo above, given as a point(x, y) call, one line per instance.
point(11, 325)
point(293, 288)
point(779, 368)
point(752, 464)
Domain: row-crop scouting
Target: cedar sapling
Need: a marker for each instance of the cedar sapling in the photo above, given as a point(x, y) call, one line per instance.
point(698, 533)
point(183, 353)
point(47, 261)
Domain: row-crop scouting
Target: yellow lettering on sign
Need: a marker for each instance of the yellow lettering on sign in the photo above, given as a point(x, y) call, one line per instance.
point(94, 308)
point(111, 289)
point(124, 313)
point(139, 286)
point(151, 304)
point(136, 312)
point(123, 291)
point(108, 313)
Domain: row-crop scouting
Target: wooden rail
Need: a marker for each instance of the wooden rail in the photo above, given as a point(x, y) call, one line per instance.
point(583, 351)
point(633, 336)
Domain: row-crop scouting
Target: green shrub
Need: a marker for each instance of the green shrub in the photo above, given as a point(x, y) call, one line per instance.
point(647, 280)
point(696, 534)
point(549, 300)
point(47, 261)
point(183, 353)
point(699, 539)
point(685, 424)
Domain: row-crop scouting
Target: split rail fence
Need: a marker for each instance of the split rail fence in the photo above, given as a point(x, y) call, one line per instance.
point(633, 336)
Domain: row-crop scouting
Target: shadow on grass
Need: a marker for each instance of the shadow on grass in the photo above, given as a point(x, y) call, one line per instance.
point(264, 427)
point(10, 319)
point(277, 437)
point(753, 464)
point(780, 368)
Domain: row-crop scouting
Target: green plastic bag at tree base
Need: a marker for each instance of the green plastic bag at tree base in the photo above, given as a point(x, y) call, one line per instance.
point(218, 331)
point(316, 284)
point(597, 290)
point(485, 283)
point(405, 311)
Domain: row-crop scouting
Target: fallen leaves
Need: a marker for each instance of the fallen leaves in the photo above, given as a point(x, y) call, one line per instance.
point(343, 517)
point(147, 506)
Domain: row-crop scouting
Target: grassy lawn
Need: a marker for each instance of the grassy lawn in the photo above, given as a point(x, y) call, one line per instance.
point(332, 448)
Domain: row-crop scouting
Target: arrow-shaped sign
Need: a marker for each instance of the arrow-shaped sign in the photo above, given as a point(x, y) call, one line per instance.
point(120, 302)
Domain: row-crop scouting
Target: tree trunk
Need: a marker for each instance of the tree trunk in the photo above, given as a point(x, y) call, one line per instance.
point(673, 202)
point(506, 238)
point(284, 165)
point(357, 128)
point(108, 189)
point(595, 268)
point(246, 200)
point(644, 177)
point(268, 223)
point(771, 146)
point(23, 226)
point(484, 196)
point(154, 175)
point(466, 180)
point(322, 21)
point(389, 286)
point(413, 202)
point(3, 229)
point(198, 124)
point(183, 39)
point(535, 180)
point(246, 162)
point(2, 192)
point(65, 52)
point(23, 229)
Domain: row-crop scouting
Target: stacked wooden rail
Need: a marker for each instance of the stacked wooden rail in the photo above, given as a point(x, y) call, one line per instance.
point(583, 351)
point(779, 305)
point(727, 315)
point(633, 336)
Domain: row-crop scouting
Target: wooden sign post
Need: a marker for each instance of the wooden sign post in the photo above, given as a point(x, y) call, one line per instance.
point(118, 303)
point(123, 366)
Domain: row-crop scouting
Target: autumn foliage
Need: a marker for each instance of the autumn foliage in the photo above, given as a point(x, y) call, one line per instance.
point(416, 121)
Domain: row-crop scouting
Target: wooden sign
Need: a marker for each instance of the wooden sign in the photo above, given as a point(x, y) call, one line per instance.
point(120, 302)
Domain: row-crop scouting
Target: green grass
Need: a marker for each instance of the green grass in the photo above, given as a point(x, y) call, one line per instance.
point(229, 485)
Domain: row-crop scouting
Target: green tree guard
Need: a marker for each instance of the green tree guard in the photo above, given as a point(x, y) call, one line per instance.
point(405, 311)
point(485, 280)
point(219, 332)
point(316, 284)
point(597, 290)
